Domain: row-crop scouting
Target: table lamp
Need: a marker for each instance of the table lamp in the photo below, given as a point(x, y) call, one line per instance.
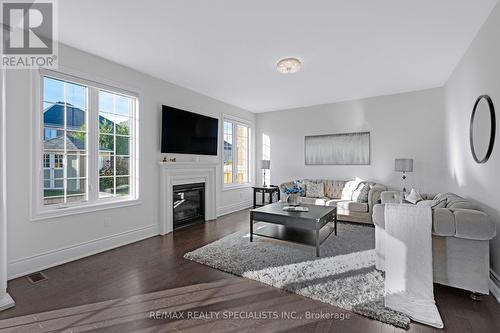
point(265, 165)
point(403, 165)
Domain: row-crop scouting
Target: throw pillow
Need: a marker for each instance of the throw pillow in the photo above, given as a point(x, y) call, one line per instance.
point(301, 186)
point(314, 190)
point(413, 197)
point(361, 193)
point(349, 188)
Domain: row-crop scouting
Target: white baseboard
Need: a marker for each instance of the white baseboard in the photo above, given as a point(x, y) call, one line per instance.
point(6, 302)
point(495, 285)
point(28, 265)
point(224, 210)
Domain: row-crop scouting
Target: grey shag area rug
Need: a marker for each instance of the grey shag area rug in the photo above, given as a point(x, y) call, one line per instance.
point(344, 276)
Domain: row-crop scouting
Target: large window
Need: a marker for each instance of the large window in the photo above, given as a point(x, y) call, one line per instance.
point(236, 152)
point(88, 142)
point(266, 155)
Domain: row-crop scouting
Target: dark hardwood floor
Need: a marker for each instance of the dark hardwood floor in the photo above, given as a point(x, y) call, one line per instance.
point(115, 291)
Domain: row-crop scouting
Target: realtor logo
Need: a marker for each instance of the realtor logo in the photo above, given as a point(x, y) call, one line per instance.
point(28, 34)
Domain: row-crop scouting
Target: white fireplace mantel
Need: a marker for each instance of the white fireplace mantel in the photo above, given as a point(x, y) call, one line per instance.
point(178, 173)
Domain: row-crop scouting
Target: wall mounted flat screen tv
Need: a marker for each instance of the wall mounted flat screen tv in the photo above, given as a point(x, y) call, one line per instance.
point(185, 132)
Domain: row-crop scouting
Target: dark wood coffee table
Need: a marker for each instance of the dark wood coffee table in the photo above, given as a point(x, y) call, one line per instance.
point(310, 228)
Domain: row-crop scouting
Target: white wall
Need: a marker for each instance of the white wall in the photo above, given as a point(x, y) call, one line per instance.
point(477, 73)
point(34, 244)
point(403, 125)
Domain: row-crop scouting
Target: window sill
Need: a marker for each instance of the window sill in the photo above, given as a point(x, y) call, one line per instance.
point(235, 187)
point(82, 209)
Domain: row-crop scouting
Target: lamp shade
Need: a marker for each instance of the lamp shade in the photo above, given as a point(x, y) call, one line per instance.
point(265, 164)
point(403, 164)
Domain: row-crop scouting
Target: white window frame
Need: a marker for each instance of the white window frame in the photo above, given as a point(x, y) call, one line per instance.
point(266, 155)
point(237, 121)
point(39, 211)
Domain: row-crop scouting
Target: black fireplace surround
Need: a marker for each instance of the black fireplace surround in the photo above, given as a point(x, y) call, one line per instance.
point(189, 204)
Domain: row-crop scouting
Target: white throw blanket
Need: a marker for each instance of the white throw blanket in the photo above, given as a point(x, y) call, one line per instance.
point(408, 263)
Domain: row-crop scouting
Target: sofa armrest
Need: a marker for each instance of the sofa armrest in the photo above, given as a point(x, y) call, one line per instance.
point(473, 224)
point(374, 196)
point(390, 197)
point(378, 216)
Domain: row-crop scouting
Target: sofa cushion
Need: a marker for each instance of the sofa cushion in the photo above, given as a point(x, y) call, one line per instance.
point(353, 206)
point(334, 202)
point(313, 201)
point(333, 189)
point(349, 188)
point(315, 190)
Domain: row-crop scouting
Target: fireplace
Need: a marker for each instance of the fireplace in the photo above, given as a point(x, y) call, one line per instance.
point(188, 204)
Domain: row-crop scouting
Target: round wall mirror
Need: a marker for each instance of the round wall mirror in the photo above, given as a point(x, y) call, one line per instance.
point(482, 129)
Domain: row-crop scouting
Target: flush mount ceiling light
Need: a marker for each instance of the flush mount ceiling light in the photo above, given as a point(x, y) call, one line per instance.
point(288, 65)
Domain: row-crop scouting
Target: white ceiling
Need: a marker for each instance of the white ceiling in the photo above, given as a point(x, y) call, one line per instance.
point(228, 49)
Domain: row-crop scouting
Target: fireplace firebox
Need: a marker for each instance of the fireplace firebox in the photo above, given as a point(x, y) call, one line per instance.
point(189, 204)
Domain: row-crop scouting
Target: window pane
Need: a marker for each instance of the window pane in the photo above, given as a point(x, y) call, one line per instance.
point(228, 152)
point(105, 125)
point(242, 154)
point(53, 115)
point(106, 102)
point(123, 128)
point(77, 166)
point(55, 143)
point(122, 105)
point(59, 184)
point(114, 104)
point(50, 133)
point(76, 95)
point(53, 90)
point(64, 141)
point(122, 186)
point(107, 143)
point(106, 187)
point(106, 164)
point(76, 142)
point(46, 178)
point(76, 190)
point(53, 196)
point(76, 118)
point(122, 145)
point(122, 165)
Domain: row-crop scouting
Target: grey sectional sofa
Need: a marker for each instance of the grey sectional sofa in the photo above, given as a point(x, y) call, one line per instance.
point(339, 193)
point(460, 240)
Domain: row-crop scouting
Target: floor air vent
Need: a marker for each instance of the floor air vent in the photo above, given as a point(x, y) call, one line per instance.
point(36, 277)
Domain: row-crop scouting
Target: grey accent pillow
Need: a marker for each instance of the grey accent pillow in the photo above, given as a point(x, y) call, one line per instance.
point(361, 193)
point(315, 190)
point(413, 197)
